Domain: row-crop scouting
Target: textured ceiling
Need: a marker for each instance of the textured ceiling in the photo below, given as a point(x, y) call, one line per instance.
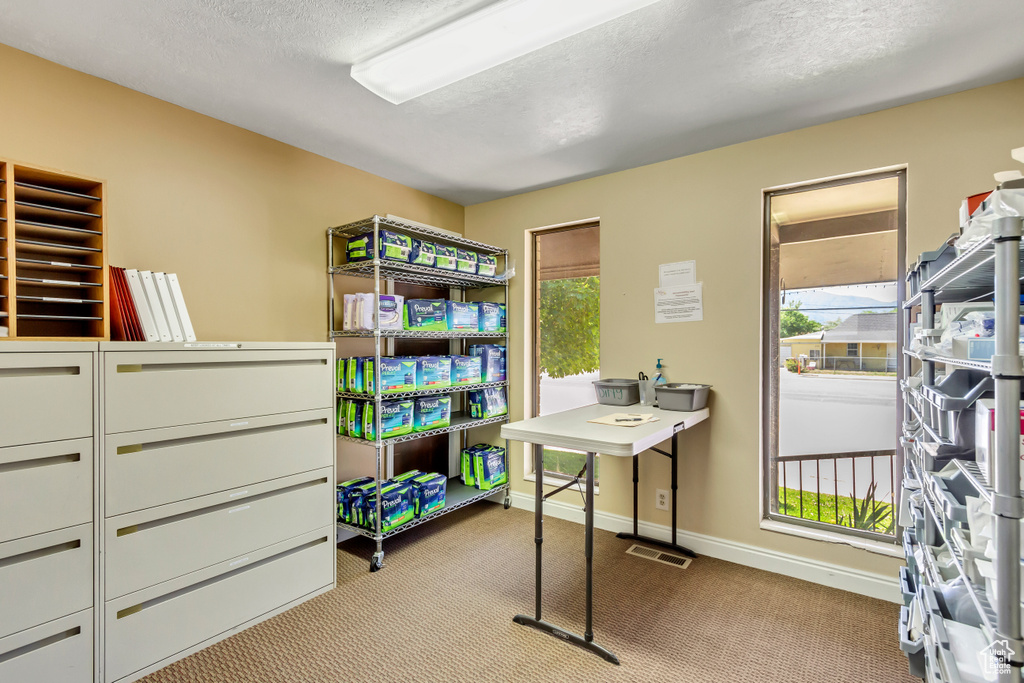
point(678, 77)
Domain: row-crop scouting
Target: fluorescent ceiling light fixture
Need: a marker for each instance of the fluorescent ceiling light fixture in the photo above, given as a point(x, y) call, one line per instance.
point(481, 40)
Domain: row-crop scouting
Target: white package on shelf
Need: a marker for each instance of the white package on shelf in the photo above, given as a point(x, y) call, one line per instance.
point(999, 204)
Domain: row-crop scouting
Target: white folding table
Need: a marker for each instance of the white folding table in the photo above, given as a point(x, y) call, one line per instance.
point(571, 429)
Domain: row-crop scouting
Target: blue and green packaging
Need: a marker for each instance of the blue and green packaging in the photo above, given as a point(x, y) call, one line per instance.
point(341, 417)
point(397, 375)
point(405, 476)
point(395, 419)
point(445, 257)
point(492, 317)
point(368, 374)
point(466, 261)
point(423, 253)
point(467, 467)
point(486, 265)
point(489, 468)
point(428, 492)
point(465, 370)
point(492, 361)
point(344, 491)
point(487, 403)
point(426, 314)
point(433, 372)
point(393, 246)
point(354, 501)
point(463, 315)
point(396, 506)
point(353, 376)
point(432, 412)
point(354, 418)
point(340, 371)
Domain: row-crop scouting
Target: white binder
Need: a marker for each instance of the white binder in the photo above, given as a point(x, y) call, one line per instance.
point(165, 301)
point(142, 305)
point(149, 286)
point(179, 307)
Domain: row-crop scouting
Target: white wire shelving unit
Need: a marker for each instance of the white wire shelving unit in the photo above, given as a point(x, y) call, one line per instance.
point(989, 270)
point(384, 273)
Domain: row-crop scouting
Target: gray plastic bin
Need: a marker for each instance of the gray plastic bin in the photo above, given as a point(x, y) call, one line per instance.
point(679, 396)
point(617, 392)
point(931, 262)
point(908, 587)
point(914, 649)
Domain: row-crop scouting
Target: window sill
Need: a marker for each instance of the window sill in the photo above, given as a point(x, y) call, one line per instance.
point(877, 547)
point(555, 483)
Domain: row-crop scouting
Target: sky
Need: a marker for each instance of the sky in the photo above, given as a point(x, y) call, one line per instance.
point(879, 292)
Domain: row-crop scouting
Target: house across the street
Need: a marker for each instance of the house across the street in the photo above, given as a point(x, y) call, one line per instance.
point(864, 341)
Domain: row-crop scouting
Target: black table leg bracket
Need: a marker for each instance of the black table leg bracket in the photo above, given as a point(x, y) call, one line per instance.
point(551, 629)
point(635, 536)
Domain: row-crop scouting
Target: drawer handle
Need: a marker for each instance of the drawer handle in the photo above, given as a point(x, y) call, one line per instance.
point(125, 531)
point(214, 365)
point(239, 509)
point(40, 372)
point(40, 553)
point(135, 609)
point(39, 644)
point(40, 462)
point(206, 438)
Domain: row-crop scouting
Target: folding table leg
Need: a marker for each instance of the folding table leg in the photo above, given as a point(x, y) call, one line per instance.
point(587, 641)
point(674, 457)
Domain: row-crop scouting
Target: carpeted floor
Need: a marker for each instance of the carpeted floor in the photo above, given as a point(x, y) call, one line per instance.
point(442, 608)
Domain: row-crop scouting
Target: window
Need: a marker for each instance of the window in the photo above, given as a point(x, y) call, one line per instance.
point(567, 329)
point(833, 277)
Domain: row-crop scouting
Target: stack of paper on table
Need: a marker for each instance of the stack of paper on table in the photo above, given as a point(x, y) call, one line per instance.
point(625, 419)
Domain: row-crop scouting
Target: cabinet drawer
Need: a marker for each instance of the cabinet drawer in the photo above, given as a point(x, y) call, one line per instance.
point(44, 577)
point(155, 545)
point(60, 650)
point(45, 486)
point(158, 623)
point(169, 388)
point(45, 397)
point(158, 466)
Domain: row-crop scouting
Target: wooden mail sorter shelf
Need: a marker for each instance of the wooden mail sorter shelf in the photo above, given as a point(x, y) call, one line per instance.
point(53, 279)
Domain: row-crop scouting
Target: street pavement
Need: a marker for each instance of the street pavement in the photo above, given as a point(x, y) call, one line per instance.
point(837, 414)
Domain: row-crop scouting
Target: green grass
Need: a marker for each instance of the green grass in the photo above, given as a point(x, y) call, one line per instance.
point(568, 463)
point(789, 504)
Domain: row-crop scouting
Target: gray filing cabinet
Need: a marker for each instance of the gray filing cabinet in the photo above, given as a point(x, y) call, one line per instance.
point(48, 394)
point(217, 489)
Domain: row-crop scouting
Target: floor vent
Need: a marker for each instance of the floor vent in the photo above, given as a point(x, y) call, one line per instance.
point(659, 556)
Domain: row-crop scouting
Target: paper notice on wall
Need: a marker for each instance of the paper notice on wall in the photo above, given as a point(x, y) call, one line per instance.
point(679, 304)
point(677, 274)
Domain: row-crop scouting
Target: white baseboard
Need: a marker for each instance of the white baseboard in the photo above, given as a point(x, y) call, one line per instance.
point(824, 573)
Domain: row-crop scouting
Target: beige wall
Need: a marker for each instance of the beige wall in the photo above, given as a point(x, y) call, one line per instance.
point(707, 207)
point(240, 217)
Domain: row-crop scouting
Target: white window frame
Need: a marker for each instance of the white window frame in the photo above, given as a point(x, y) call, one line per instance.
point(528, 364)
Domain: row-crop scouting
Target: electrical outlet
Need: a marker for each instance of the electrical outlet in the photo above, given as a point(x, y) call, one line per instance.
point(661, 499)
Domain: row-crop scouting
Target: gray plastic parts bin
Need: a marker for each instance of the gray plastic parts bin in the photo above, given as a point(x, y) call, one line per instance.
point(679, 396)
point(931, 262)
point(617, 392)
point(914, 649)
point(907, 585)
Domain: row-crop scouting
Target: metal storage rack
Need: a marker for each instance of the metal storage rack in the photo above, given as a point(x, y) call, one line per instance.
point(386, 271)
point(990, 270)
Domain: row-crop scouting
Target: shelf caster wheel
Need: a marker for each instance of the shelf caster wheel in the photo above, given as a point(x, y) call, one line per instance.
point(377, 562)
point(508, 503)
